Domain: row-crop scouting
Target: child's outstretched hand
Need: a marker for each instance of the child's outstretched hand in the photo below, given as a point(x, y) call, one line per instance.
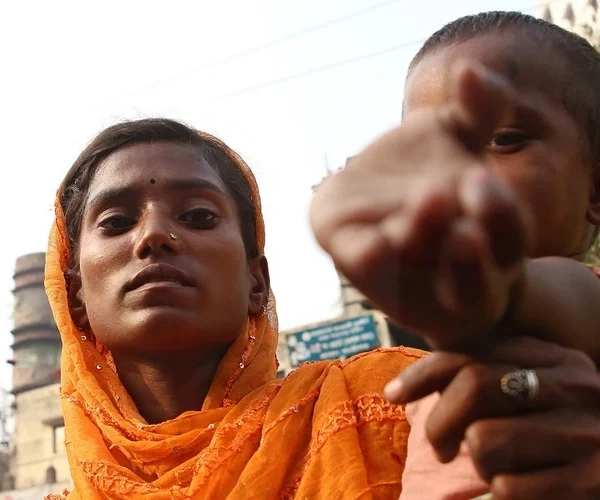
point(420, 224)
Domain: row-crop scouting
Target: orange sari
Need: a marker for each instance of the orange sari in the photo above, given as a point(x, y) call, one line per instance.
point(324, 432)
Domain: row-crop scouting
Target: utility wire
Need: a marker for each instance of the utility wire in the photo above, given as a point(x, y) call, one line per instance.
point(330, 66)
point(337, 64)
point(319, 69)
point(267, 45)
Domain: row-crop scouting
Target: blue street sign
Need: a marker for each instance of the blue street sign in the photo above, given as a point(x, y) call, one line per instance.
point(339, 339)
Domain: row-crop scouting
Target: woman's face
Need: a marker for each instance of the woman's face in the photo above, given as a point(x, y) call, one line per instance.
point(162, 261)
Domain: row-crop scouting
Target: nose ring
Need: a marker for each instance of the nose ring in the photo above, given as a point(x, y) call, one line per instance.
point(172, 236)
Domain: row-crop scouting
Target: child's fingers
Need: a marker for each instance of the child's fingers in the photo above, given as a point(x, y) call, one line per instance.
point(482, 102)
point(417, 231)
point(493, 204)
point(466, 277)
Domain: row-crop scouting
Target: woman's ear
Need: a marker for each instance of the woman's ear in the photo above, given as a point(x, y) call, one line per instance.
point(76, 300)
point(260, 284)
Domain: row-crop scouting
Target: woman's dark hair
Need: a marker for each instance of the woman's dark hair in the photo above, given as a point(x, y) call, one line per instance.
point(581, 95)
point(75, 187)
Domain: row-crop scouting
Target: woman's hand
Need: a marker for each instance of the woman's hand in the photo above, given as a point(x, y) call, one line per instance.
point(551, 450)
point(417, 221)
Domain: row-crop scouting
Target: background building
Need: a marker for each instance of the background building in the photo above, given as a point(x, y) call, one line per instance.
point(38, 462)
point(580, 16)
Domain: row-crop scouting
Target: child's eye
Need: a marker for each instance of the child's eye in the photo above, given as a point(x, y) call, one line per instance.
point(508, 141)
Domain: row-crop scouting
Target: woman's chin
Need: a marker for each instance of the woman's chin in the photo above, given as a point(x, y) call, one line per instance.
point(162, 328)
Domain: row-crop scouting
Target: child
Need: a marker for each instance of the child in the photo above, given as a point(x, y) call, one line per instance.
point(487, 198)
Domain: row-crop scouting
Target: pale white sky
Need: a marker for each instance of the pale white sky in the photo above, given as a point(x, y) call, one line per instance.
point(70, 68)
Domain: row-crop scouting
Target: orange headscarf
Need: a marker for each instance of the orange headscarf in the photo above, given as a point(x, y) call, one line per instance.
point(325, 432)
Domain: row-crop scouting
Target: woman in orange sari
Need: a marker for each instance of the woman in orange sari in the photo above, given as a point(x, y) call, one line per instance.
point(160, 288)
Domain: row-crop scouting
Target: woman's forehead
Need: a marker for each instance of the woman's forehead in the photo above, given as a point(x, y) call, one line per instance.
point(153, 164)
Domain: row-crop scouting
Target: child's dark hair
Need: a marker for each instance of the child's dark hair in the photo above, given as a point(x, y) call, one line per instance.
point(74, 189)
point(581, 92)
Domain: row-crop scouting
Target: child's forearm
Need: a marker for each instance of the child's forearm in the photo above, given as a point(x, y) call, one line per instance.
point(559, 301)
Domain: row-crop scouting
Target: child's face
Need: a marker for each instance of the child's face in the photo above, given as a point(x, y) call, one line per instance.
point(543, 155)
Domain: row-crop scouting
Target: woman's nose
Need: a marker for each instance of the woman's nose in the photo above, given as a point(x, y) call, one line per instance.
point(156, 236)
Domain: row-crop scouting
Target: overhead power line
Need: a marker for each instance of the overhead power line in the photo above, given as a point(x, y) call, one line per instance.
point(319, 69)
point(338, 64)
point(272, 43)
point(297, 34)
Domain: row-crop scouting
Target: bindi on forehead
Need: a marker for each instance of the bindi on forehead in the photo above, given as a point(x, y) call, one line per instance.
point(152, 181)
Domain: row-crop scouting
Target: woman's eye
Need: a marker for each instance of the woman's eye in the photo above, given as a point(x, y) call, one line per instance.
point(508, 140)
point(116, 223)
point(201, 218)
